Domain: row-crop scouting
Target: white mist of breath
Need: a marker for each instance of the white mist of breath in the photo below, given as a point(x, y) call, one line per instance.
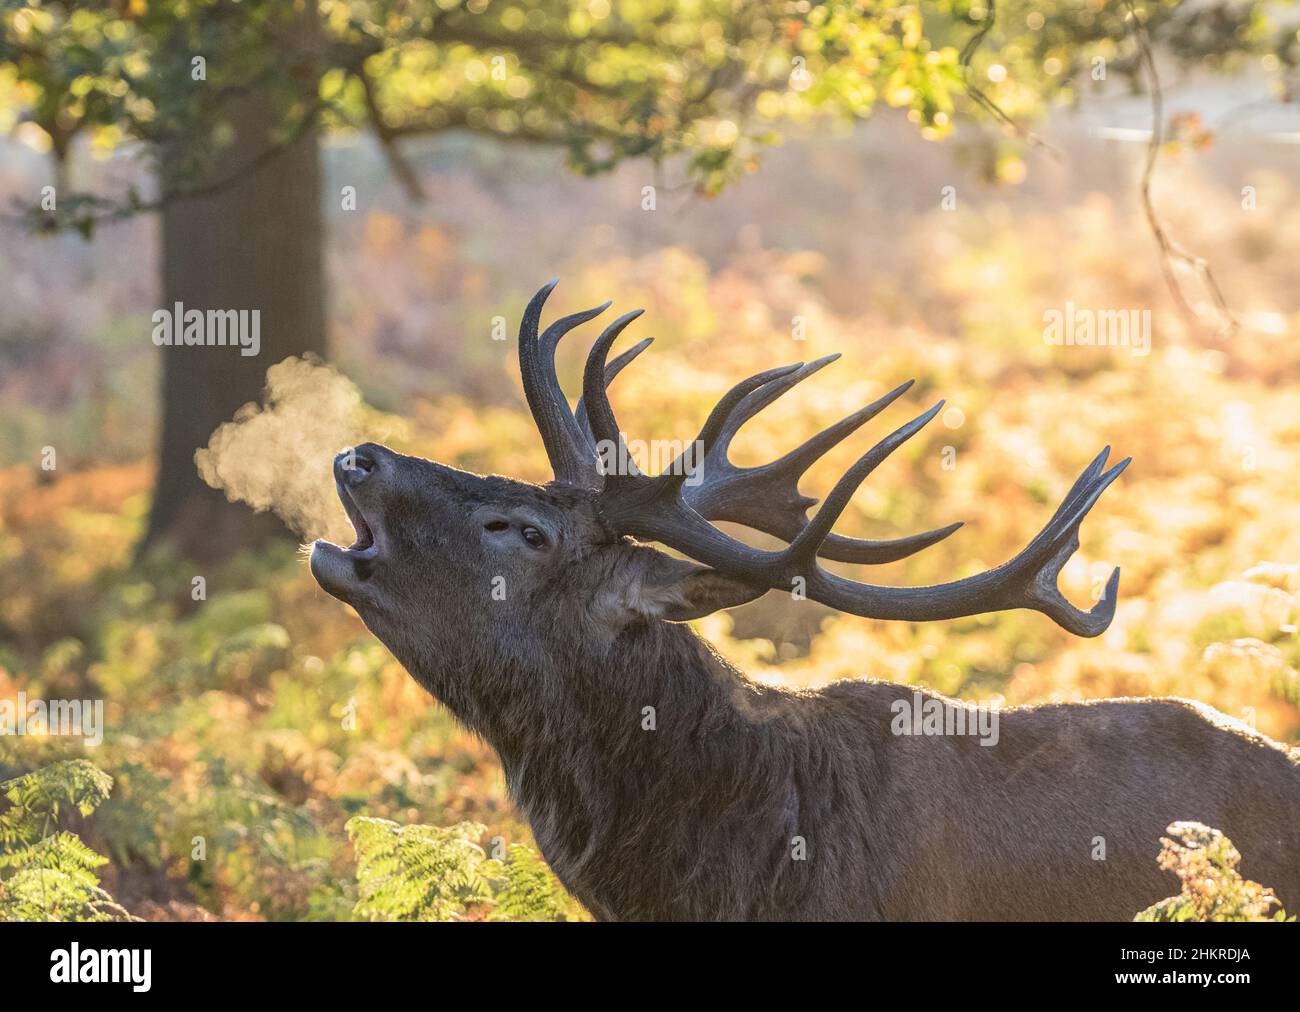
point(278, 456)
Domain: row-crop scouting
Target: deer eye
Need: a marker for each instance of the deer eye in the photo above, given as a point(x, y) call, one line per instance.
point(534, 537)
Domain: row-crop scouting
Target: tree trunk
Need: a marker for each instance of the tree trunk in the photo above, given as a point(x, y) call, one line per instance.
point(253, 244)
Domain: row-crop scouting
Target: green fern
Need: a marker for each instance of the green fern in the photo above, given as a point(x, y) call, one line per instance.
point(48, 874)
point(420, 873)
point(417, 873)
point(38, 798)
point(527, 890)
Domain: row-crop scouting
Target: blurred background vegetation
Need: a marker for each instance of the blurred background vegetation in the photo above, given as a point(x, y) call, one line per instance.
point(263, 719)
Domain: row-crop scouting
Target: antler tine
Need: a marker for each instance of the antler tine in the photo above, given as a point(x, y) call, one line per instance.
point(802, 457)
point(805, 547)
point(1081, 485)
point(767, 498)
point(600, 415)
point(758, 399)
point(1069, 515)
point(567, 449)
point(1041, 586)
point(1027, 581)
point(612, 369)
point(862, 551)
point(716, 426)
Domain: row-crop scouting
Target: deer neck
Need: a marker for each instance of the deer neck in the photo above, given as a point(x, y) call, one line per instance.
point(634, 697)
point(614, 748)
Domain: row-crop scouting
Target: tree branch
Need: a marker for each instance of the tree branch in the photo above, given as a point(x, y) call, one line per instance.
point(982, 98)
point(1171, 252)
point(105, 211)
point(388, 139)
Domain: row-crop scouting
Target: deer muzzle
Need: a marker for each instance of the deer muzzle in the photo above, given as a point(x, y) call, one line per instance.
point(342, 571)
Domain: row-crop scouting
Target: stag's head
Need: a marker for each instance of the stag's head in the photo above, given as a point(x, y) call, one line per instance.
point(505, 565)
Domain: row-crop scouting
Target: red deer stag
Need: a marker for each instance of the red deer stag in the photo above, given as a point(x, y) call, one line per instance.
point(660, 783)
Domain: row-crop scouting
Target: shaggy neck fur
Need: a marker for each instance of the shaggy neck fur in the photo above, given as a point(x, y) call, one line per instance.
point(642, 813)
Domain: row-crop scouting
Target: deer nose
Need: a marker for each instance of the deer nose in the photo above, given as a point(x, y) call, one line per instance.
point(354, 465)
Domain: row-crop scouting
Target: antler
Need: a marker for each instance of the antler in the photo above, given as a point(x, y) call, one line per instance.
point(661, 509)
point(768, 499)
point(571, 453)
point(676, 512)
point(765, 498)
point(611, 370)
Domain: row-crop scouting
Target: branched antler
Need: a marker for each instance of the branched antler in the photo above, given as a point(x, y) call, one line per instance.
point(670, 509)
point(768, 499)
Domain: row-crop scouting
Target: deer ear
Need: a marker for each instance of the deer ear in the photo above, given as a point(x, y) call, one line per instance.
point(677, 591)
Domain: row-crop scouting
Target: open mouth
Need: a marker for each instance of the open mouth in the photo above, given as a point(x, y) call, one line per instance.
point(365, 545)
point(344, 572)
